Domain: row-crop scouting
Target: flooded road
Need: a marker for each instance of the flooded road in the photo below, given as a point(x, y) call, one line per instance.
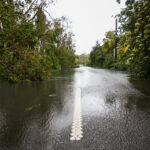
point(106, 109)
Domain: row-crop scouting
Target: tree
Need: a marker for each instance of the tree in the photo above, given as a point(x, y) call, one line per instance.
point(135, 22)
point(31, 46)
point(102, 56)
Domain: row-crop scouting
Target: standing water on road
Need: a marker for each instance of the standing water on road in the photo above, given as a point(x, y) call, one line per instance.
point(38, 116)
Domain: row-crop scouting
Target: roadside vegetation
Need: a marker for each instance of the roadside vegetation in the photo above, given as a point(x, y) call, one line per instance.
point(32, 44)
point(133, 42)
point(82, 59)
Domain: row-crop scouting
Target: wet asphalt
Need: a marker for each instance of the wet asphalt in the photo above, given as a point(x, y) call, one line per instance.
point(115, 113)
point(111, 117)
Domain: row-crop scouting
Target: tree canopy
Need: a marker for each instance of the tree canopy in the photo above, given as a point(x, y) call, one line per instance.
point(31, 45)
point(133, 41)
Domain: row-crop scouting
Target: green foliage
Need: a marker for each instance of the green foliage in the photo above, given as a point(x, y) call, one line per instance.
point(135, 20)
point(109, 61)
point(82, 59)
point(133, 42)
point(31, 46)
point(30, 66)
point(102, 56)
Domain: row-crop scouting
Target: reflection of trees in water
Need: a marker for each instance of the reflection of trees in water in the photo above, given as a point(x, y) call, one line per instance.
point(14, 99)
point(141, 102)
point(142, 85)
point(129, 101)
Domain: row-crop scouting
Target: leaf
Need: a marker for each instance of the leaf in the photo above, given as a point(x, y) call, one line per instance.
point(29, 108)
point(52, 95)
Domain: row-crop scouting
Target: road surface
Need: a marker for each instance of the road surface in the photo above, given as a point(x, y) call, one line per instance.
point(82, 109)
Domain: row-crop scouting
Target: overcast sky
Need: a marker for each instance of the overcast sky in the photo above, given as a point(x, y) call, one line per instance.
point(91, 19)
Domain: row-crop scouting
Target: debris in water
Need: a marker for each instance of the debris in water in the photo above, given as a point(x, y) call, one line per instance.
point(52, 95)
point(30, 108)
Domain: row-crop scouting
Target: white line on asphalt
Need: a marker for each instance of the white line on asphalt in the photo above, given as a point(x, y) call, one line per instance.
point(76, 131)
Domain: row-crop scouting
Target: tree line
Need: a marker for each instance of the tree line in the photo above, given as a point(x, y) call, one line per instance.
point(133, 42)
point(32, 44)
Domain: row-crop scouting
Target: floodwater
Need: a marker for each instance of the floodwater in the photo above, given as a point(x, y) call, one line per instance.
point(115, 112)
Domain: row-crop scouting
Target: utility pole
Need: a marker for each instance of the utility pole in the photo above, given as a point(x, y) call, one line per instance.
point(116, 40)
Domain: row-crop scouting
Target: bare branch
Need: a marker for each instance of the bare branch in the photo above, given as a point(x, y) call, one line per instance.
point(30, 7)
point(49, 14)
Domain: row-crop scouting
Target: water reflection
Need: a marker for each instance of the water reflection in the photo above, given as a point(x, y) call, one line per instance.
point(135, 94)
point(29, 114)
point(32, 113)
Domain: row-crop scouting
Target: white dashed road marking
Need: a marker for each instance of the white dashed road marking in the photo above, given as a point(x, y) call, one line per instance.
point(76, 131)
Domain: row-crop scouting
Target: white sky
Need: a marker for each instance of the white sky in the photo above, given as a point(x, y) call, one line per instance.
point(91, 19)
